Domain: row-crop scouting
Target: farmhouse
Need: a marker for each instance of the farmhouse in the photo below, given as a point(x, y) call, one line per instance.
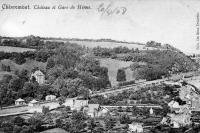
point(39, 76)
point(135, 128)
point(50, 97)
point(20, 102)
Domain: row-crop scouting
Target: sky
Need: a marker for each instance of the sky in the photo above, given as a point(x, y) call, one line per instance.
point(165, 21)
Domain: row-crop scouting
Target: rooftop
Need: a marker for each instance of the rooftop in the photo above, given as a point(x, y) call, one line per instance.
point(20, 100)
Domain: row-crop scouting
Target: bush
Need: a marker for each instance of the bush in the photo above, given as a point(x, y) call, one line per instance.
point(121, 75)
point(45, 110)
point(125, 119)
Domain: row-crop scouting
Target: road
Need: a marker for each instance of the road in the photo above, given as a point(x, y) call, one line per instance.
point(130, 87)
point(137, 86)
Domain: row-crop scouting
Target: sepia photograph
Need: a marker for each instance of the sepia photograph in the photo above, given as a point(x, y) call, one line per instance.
point(99, 66)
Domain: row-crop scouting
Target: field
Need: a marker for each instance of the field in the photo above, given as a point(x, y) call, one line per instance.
point(29, 65)
point(14, 110)
point(113, 66)
point(105, 44)
point(14, 49)
point(108, 44)
point(2, 73)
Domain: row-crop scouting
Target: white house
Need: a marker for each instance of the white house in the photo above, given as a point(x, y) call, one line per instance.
point(20, 102)
point(174, 106)
point(39, 76)
point(92, 109)
point(179, 120)
point(75, 104)
point(103, 112)
point(33, 103)
point(50, 97)
point(135, 128)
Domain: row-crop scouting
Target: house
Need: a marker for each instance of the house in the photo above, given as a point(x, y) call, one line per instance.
point(92, 109)
point(135, 128)
point(39, 76)
point(50, 97)
point(75, 104)
point(34, 106)
point(103, 112)
point(20, 102)
point(33, 103)
point(174, 106)
point(165, 121)
point(180, 120)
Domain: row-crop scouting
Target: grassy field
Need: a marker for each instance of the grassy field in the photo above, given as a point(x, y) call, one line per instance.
point(105, 44)
point(113, 66)
point(2, 73)
point(14, 110)
point(29, 65)
point(9, 49)
point(108, 44)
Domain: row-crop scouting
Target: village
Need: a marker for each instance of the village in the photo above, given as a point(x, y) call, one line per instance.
point(180, 114)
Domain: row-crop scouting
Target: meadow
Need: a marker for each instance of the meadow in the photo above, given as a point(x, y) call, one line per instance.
point(9, 49)
point(113, 66)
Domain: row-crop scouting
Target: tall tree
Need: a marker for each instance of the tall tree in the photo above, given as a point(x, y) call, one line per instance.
point(121, 75)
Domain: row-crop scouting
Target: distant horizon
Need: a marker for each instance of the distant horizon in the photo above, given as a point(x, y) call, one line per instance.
point(98, 39)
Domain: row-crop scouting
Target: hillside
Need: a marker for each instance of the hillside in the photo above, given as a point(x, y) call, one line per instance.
point(10, 49)
point(151, 60)
point(37, 42)
point(28, 65)
point(113, 66)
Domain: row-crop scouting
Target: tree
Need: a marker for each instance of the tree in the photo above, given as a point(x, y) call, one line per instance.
point(54, 73)
point(61, 100)
point(109, 123)
point(125, 119)
point(19, 59)
point(42, 55)
point(91, 125)
point(120, 109)
point(59, 123)
point(30, 89)
point(16, 84)
point(45, 110)
point(6, 78)
point(17, 129)
point(27, 129)
point(121, 75)
point(134, 110)
point(35, 122)
point(78, 122)
point(7, 127)
point(72, 87)
point(18, 121)
point(78, 116)
point(50, 63)
point(24, 75)
point(128, 109)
